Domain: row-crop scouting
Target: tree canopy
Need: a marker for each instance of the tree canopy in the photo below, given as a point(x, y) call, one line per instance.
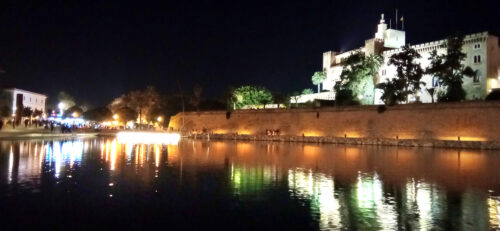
point(408, 77)
point(143, 101)
point(251, 96)
point(318, 78)
point(450, 70)
point(98, 114)
point(357, 78)
point(5, 104)
point(307, 91)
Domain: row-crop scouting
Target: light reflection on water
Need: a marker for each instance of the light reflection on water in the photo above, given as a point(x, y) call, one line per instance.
point(341, 187)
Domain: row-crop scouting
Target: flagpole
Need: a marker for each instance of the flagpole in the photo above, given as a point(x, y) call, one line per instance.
point(397, 19)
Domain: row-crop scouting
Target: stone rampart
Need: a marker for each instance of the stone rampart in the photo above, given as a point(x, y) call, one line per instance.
point(468, 121)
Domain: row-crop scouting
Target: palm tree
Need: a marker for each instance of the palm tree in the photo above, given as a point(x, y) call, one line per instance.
point(318, 78)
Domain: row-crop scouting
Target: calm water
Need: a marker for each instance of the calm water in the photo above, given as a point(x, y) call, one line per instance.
point(100, 184)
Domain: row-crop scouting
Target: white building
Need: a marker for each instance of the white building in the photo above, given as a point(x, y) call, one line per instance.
point(35, 101)
point(482, 50)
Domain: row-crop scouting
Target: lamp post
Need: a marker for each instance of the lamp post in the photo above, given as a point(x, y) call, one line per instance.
point(61, 108)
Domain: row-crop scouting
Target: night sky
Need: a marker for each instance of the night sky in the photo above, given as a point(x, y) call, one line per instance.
point(97, 50)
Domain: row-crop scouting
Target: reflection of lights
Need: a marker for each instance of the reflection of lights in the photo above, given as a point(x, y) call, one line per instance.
point(420, 194)
point(61, 153)
point(250, 181)
point(112, 161)
point(157, 157)
point(148, 137)
point(11, 163)
point(494, 212)
point(128, 150)
point(371, 202)
point(320, 189)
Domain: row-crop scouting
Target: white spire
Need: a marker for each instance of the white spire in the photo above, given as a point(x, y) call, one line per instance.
point(381, 28)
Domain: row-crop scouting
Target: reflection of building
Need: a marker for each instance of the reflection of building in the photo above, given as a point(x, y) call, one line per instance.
point(32, 100)
point(318, 188)
point(482, 50)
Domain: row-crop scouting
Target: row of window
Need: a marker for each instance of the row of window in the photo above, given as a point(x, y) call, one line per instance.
point(435, 80)
point(477, 59)
point(36, 99)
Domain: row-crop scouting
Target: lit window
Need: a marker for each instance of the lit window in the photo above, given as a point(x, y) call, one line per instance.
point(476, 77)
point(435, 82)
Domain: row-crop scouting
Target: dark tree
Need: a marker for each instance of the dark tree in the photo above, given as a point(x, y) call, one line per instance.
point(126, 114)
point(408, 72)
point(27, 112)
point(196, 97)
point(450, 70)
point(98, 114)
point(357, 78)
point(37, 113)
point(143, 101)
point(5, 104)
point(393, 92)
point(281, 99)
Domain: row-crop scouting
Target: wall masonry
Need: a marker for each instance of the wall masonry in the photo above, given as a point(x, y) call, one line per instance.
point(471, 121)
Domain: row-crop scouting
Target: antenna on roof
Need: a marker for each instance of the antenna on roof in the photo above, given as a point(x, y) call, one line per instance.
point(396, 19)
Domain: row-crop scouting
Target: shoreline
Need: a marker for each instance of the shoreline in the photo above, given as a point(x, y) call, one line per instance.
point(46, 135)
point(431, 143)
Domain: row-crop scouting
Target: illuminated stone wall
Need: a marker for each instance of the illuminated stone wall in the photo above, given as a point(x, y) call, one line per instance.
point(472, 121)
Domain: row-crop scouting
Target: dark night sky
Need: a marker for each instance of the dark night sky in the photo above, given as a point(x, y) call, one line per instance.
point(97, 50)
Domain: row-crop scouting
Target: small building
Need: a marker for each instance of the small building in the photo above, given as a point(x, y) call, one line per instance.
point(33, 100)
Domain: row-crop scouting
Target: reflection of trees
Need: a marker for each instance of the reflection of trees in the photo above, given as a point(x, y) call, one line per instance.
point(248, 182)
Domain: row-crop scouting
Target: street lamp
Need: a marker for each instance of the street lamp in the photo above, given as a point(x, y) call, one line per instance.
point(159, 119)
point(115, 116)
point(61, 107)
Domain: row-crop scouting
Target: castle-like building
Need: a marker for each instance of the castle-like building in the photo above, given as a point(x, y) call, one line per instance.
point(482, 50)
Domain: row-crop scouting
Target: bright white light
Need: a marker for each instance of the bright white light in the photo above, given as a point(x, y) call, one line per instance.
point(148, 137)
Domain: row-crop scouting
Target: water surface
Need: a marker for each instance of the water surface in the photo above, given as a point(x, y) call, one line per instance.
point(90, 184)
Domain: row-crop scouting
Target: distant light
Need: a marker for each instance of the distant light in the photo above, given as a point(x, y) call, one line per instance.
point(60, 106)
point(159, 119)
point(75, 114)
point(115, 116)
point(148, 137)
